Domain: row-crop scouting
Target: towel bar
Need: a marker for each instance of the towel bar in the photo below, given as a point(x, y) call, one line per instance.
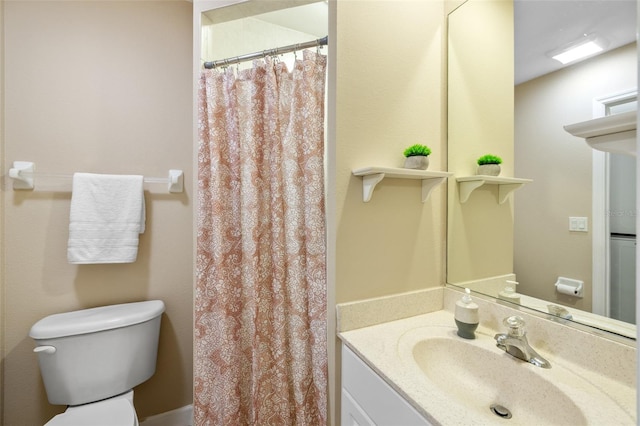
point(23, 175)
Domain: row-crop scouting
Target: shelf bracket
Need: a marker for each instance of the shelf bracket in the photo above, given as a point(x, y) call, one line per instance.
point(466, 188)
point(428, 185)
point(369, 183)
point(506, 186)
point(505, 190)
point(371, 176)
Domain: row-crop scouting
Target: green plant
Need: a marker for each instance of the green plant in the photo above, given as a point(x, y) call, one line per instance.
point(417, 149)
point(489, 159)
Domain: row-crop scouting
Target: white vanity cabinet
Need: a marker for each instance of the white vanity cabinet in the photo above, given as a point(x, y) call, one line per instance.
point(367, 400)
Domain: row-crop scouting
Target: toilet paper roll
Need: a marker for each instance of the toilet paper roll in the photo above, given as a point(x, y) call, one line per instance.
point(566, 289)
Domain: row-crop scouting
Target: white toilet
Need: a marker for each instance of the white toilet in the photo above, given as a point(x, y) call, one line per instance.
point(91, 359)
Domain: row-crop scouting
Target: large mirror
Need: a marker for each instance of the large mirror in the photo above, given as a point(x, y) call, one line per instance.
point(570, 213)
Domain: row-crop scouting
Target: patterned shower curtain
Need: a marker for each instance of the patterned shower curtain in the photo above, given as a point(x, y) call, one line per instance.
point(260, 302)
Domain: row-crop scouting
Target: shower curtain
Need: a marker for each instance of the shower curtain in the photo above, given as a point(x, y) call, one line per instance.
point(260, 297)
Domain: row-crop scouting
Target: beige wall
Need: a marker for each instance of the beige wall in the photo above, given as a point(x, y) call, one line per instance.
point(389, 96)
point(480, 121)
point(2, 171)
point(100, 87)
point(561, 167)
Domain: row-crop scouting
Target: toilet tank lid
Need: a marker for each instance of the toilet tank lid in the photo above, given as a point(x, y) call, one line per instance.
point(96, 319)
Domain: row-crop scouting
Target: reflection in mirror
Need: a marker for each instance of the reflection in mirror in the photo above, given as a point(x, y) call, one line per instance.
point(568, 176)
point(577, 181)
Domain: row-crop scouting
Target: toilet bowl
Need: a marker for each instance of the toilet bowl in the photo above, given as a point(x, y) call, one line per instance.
point(91, 359)
point(116, 411)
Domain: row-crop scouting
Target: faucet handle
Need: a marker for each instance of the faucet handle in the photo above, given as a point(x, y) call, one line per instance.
point(515, 325)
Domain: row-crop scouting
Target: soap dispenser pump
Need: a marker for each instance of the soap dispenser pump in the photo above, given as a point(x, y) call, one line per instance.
point(466, 316)
point(509, 293)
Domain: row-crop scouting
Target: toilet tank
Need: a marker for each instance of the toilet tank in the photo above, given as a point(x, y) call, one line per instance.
point(97, 353)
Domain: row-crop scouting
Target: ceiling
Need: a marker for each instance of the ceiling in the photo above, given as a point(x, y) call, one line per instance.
point(542, 26)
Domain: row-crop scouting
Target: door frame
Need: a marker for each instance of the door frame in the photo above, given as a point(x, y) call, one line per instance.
point(600, 207)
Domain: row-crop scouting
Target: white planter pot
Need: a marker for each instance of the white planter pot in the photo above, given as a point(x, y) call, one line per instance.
point(488, 170)
point(418, 162)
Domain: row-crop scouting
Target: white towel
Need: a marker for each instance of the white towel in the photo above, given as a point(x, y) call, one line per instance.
point(107, 216)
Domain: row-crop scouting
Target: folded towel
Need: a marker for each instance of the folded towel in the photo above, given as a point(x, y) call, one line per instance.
point(107, 215)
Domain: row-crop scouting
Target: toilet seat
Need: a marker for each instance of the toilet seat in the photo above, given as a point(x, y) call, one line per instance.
point(110, 412)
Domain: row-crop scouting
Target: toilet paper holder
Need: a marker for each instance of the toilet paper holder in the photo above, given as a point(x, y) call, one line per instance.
point(570, 287)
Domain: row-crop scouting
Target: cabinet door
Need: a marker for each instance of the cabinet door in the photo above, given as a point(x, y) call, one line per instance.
point(368, 400)
point(352, 414)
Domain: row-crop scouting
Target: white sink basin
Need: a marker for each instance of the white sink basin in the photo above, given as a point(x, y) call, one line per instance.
point(480, 378)
point(472, 376)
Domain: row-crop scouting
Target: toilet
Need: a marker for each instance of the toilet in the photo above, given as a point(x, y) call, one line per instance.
point(91, 359)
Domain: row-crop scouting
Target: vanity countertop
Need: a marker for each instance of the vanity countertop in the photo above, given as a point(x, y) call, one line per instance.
point(603, 394)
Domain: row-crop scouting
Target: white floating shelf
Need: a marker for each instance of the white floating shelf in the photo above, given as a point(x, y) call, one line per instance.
point(507, 185)
point(371, 176)
point(613, 133)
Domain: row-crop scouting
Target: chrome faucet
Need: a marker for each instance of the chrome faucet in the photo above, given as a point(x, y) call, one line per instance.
point(515, 343)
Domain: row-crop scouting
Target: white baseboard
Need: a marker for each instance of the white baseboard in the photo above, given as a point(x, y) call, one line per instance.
point(182, 416)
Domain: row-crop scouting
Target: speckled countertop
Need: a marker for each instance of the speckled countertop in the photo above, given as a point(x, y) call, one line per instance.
point(592, 379)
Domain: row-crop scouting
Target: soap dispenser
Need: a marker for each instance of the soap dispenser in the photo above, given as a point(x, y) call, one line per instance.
point(466, 316)
point(509, 293)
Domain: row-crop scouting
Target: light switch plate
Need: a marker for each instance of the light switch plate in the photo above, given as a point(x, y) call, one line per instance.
point(578, 224)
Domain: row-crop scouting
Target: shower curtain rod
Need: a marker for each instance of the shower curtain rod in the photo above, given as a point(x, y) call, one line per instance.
point(269, 52)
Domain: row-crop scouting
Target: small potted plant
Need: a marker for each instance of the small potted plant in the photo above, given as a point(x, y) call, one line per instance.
point(417, 157)
point(489, 165)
